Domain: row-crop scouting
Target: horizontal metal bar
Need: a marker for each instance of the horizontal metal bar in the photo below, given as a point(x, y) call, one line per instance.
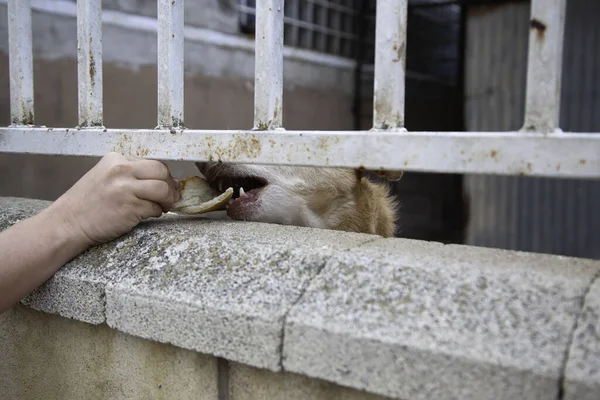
point(20, 62)
point(544, 68)
point(390, 64)
point(507, 153)
point(89, 62)
point(268, 81)
point(170, 63)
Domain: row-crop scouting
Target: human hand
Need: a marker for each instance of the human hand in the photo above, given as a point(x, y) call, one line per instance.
point(113, 197)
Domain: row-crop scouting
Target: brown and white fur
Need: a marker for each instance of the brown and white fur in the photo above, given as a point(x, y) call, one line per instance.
point(327, 198)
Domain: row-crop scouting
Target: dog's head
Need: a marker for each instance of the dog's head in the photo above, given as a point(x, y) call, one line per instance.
point(328, 198)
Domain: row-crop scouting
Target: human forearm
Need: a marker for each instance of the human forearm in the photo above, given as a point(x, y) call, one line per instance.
point(32, 250)
point(107, 202)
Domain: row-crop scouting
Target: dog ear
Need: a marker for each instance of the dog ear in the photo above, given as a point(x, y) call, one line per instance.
point(390, 175)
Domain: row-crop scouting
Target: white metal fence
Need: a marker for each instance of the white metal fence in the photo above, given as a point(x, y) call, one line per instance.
point(539, 149)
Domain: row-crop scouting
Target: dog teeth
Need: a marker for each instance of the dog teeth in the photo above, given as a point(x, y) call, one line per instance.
point(242, 193)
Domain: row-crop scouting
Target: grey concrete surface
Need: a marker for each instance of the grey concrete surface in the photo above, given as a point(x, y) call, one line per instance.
point(398, 318)
point(222, 288)
point(418, 320)
point(582, 374)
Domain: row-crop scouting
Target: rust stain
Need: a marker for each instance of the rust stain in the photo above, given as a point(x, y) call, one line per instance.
point(245, 145)
point(558, 167)
point(325, 143)
point(399, 50)
point(123, 145)
point(142, 152)
point(493, 153)
point(405, 163)
point(92, 70)
point(539, 27)
point(582, 161)
point(529, 167)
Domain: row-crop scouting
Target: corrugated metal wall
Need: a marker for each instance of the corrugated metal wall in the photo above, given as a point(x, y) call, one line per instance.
point(532, 214)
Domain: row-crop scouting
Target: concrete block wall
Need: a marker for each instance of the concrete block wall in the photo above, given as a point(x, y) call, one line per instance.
point(233, 310)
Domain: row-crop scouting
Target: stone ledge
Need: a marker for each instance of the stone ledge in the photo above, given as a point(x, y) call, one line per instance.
point(582, 374)
point(416, 320)
point(398, 318)
point(219, 287)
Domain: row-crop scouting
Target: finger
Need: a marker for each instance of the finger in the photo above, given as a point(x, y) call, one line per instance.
point(150, 169)
point(132, 158)
point(156, 191)
point(149, 209)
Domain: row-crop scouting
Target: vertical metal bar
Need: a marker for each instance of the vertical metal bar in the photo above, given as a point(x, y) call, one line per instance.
point(89, 62)
point(390, 64)
point(20, 62)
point(544, 69)
point(268, 87)
point(170, 63)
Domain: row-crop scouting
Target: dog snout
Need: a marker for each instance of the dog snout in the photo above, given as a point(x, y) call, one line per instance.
point(205, 168)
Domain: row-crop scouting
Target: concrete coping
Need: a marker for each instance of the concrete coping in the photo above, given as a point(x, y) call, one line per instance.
point(400, 318)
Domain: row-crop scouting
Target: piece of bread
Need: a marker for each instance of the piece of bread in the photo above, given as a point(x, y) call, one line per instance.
point(197, 197)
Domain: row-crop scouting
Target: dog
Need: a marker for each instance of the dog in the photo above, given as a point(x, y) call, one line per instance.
point(326, 198)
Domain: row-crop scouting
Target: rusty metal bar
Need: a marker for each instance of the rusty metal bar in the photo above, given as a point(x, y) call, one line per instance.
point(268, 81)
point(507, 153)
point(170, 63)
point(20, 62)
point(544, 70)
point(89, 62)
point(390, 64)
